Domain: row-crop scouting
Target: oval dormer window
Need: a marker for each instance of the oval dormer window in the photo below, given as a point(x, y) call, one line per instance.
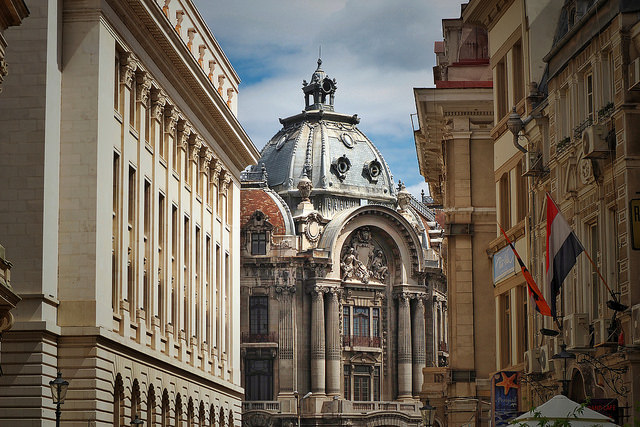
point(347, 140)
point(281, 141)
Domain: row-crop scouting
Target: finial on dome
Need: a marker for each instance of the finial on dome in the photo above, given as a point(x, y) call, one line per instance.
point(319, 64)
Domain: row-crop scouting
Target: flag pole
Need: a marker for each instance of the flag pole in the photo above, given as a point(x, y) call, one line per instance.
point(600, 275)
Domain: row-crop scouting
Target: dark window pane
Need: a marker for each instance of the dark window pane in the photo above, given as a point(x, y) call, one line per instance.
point(259, 243)
point(258, 315)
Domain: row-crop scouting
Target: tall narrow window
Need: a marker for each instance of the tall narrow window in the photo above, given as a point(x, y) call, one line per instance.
point(502, 101)
point(346, 324)
point(347, 381)
point(375, 322)
point(187, 275)
point(146, 303)
point(589, 95)
point(116, 83)
point(132, 104)
point(218, 297)
point(197, 302)
point(258, 315)
point(115, 234)
point(160, 311)
point(361, 326)
point(594, 252)
point(376, 383)
point(522, 192)
point(131, 222)
point(518, 73)
point(505, 330)
point(227, 299)
point(505, 201)
point(207, 291)
point(187, 166)
point(147, 123)
point(174, 266)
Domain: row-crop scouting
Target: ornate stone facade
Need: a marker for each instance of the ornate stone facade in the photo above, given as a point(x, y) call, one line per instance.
point(335, 278)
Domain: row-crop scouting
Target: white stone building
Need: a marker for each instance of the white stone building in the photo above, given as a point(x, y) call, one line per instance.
point(340, 278)
point(121, 157)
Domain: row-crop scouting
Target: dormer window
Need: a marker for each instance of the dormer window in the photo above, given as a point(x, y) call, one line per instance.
point(259, 243)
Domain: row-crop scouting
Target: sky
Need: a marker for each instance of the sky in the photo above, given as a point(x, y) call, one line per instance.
point(377, 50)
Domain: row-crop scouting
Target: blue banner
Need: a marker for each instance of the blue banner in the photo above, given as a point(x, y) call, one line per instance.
point(504, 264)
point(505, 392)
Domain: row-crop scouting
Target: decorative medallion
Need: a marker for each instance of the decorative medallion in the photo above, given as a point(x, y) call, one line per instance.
point(347, 140)
point(585, 170)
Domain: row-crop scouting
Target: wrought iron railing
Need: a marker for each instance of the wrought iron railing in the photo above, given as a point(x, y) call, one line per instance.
point(247, 337)
point(358, 341)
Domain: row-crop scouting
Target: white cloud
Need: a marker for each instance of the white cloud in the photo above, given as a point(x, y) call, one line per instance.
point(377, 50)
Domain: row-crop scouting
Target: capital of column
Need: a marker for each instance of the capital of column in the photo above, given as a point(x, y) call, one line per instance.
point(184, 133)
point(215, 166)
point(158, 102)
point(144, 83)
point(225, 180)
point(206, 154)
point(128, 65)
point(195, 144)
point(170, 118)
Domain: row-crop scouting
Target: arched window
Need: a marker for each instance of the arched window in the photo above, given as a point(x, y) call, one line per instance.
point(166, 413)
point(135, 400)
point(151, 406)
point(202, 416)
point(190, 413)
point(178, 411)
point(221, 418)
point(231, 419)
point(212, 416)
point(118, 402)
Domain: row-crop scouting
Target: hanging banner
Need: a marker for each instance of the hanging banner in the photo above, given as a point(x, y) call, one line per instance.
point(505, 394)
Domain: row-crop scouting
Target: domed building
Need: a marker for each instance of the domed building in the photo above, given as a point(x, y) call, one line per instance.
point(341, 278)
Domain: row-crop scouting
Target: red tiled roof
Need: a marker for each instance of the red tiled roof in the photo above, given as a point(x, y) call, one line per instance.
point(252, 199)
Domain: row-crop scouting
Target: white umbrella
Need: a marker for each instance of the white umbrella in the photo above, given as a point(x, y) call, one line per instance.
point(560, 408)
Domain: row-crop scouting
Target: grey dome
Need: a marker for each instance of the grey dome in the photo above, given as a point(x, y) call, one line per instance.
point(341, 162)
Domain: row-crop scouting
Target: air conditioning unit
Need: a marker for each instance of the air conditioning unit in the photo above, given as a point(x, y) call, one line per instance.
point(575, 330)
point(532, 361)
point(634, 74)
point(635, 324)
point(601, 331)
point(545, 358)
point(532, 164)
point(594, 142)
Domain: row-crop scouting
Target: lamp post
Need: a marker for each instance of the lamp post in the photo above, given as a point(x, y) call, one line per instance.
point(428, 414)
point(299, 403)
point(58, 393)
point(137, 421)
point(564, 355)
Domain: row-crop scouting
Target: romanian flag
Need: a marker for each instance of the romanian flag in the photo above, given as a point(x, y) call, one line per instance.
point(563, 248)
point(534, 291)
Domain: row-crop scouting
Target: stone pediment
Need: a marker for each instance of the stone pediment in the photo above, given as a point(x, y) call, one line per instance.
point(363, 358)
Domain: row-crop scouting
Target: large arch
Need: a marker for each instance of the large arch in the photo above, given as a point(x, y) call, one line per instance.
point(396, 226)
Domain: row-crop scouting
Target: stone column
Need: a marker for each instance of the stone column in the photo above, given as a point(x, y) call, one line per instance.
point(333, 344)
point(404, 347)
point(317, 341)
point(419, 345)
point(286, 316)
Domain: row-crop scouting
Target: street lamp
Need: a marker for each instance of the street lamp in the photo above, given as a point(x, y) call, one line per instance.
point(428, 414)
point(137, 421)
point(564, 355)
point(58, 393)
point(299, 403)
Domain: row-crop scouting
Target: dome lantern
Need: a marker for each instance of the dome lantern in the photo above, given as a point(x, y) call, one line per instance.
point(321, 90)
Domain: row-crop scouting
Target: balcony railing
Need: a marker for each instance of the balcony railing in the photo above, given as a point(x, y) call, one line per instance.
point(247, 337)
point(266, 405)
point(358, 341)
point(385, 406)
